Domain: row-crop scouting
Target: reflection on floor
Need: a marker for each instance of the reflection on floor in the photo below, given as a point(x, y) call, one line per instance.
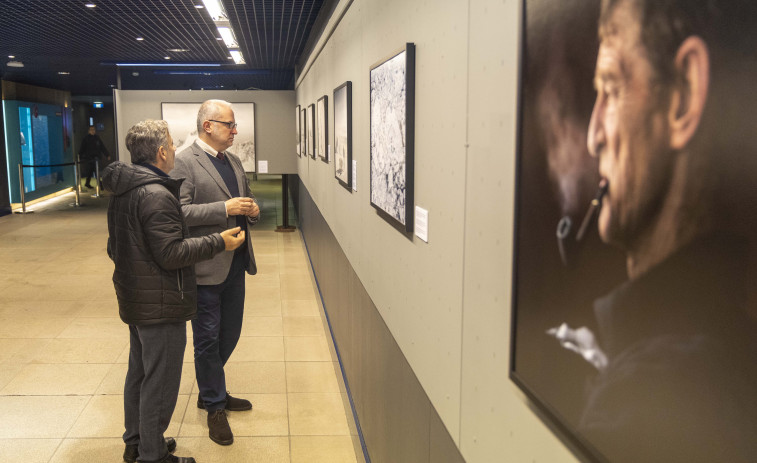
point(63, 350)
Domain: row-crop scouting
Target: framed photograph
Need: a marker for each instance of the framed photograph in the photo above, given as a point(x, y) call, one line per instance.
point(392, 136)
point(343, 134)
point(297, 130)
point(322, 127)
point(311, 131)
point(632, 332)
point(303, 132)
point(182, 123)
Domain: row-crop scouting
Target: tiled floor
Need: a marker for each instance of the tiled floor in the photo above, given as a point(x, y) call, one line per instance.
point(63, 351)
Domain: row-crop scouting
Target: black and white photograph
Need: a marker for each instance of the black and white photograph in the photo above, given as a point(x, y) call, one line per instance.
point(322, 127)
point(303, 132)
point(310, 127)
point(634, 311)
point(182, 122)
point(297, 130)
point(392, 112)
point(343, 134)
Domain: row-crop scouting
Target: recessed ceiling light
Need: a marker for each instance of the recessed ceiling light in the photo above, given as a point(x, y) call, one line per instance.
point(230, 57)
point(199, 7)
point(90, 5)
point(112, 85)
point(15, 64)
point(63, 73)
point(11, 56)
point(140, 38)
point(219, 38)
point(178, 50)
point(166, 57)
point(238, 58)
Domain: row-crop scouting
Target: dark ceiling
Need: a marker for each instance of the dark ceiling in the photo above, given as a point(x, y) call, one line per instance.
point(54, 36)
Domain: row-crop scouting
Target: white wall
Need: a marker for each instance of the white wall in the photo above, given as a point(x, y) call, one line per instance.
point(447, 302)
point(274, 123)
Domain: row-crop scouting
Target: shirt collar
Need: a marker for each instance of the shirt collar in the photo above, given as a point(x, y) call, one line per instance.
point(207, 148)
point(153, 168)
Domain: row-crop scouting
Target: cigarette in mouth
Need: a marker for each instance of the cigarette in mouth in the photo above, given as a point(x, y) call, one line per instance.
point(594, 206)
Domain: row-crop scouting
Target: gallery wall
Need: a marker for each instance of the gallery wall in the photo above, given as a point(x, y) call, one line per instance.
point(446, 303)
point(274, 125)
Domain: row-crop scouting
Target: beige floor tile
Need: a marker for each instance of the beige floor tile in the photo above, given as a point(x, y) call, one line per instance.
point(294, 308)
point(39, 416)
point(261, 292)
point(255, 377)
point(124, 357)
point(56, 379)
point(259, 349)
point(89, 450)
point(113, 383)
point(49, 327)
point(311, 377)
point(322, 449)
point(8, 371)
point(303, 326)
point(244, 450)
point(80, 351)
point(107, 308)
point(111, 327)
point(268, 417)
point(40, 309)
point(28, 450)
point(317, 414)
point(20, 350)
point(104, 417)
point(297, 287)
point(262, 326)
point(306, 349)
point(256, 307)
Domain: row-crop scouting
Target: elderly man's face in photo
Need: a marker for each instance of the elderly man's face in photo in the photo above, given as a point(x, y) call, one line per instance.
point(626, 131)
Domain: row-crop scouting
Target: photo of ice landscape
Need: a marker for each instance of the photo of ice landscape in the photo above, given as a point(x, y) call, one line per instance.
point(342, 133)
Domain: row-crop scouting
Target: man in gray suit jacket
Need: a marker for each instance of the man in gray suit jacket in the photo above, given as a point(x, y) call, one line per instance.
point(215, 195)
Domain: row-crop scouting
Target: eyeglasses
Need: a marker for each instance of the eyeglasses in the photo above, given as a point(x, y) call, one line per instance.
point(230, 125)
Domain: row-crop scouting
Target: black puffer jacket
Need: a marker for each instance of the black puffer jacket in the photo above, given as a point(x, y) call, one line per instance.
point(148, 241)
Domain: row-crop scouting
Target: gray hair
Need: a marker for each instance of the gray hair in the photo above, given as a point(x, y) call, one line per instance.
point(145, 138)
point(211, 109)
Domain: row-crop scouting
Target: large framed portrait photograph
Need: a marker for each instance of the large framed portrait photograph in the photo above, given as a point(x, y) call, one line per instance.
point(392, 137)
point(311, 131)
point(182, 123)
point(634, 318)
point(322, 127)
point(343, 134)
point(297, 130)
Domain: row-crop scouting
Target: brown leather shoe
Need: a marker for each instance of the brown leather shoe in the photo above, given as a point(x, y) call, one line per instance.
point(233, 404)
point(219, 429)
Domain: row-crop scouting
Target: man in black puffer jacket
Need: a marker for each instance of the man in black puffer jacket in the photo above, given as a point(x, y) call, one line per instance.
point(155, 284)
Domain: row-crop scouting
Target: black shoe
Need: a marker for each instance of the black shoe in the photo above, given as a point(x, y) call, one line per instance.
point(88, 186)
point(233, 404)
point(172, 459)
point(218, 428)
point(132, 451)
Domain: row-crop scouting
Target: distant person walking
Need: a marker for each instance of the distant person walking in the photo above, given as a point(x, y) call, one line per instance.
point(91, 149)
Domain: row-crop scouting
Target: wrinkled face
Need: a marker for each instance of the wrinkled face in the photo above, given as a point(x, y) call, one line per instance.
point(221, 137)
point(627, 132)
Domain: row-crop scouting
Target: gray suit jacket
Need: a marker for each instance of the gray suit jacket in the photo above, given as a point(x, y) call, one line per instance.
point(203, 194)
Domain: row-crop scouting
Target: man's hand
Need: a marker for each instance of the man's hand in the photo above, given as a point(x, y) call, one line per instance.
point(233, 238)
point(240, 206)
point(254, 210)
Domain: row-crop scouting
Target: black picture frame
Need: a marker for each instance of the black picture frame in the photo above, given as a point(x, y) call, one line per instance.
point(298, 130)
point(392, 136)
point(311, 130)
point(343, 134)
point(322, 128)
point(626, 363)
point(303, 132)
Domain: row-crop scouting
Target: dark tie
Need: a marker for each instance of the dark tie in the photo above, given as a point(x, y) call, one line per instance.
point(221, 156)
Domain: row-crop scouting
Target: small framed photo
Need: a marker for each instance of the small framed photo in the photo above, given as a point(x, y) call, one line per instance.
point(298, 138)
point(311, 131)
point(322, 128)
point(343, 134)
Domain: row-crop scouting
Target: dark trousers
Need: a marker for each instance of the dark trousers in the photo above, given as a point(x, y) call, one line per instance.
point(152, 385)
point(216, 332)
point(88, 169)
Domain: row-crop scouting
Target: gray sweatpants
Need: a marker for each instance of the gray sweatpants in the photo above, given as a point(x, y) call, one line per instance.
point(152, 385)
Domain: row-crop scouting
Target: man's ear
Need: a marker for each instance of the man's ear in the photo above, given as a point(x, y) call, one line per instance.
point(206, 126)
point(161, 154)
point(692, 67)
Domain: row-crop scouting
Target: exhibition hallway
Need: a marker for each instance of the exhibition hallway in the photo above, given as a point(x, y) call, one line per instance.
point(64, 351)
